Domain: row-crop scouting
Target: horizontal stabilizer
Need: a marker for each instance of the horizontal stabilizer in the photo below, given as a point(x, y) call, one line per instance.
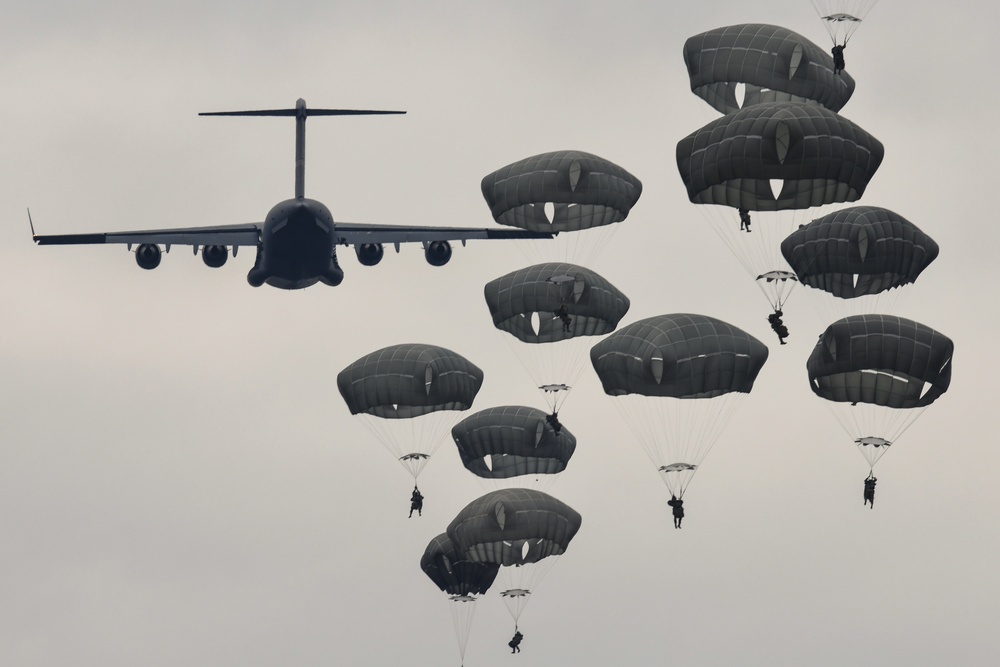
point(302, 111)
point(306, 112)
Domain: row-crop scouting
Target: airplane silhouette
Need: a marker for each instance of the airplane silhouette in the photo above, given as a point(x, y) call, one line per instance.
point(297, 242)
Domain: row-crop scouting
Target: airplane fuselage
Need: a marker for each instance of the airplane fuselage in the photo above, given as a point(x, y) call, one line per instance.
point(297, 247)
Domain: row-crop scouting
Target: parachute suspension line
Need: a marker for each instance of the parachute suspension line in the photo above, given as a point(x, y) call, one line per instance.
point(650, 427)
point(721, 218)
point(521, 355)
point(412, 441)
point(555, 396)
point(759, 251)
point(585, 246)
point(677, 431)
point(463, 611)
point(551, 364)
point(887, 423)
point(841, 18)
point(890, 299)
point(873, 421)
point(580, 247)
point(764, 251)
point(515, 600)
point(711, 426)
point(832, 308)
point(872, 452)
point(904, 425)
point(777, 288)
point(518, 582)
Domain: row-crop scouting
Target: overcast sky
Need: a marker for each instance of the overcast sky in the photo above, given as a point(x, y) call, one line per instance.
point(182, 484)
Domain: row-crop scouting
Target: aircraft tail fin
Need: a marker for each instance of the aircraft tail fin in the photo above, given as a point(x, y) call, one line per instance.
point(300, 113)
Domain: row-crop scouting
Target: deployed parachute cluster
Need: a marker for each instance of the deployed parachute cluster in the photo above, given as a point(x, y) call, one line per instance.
point(782, 148)
point(410, 395)
point(779, 152)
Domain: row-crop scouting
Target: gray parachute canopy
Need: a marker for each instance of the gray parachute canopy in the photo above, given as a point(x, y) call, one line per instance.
point(409, 380)
point(679, 356)
point(776, 64)
point(516, 440)
point(594, 305)
point(452, 572)
point(822, 158)
point(586, 190)
point(514, 527)
point(882, 360)
point(858, 251)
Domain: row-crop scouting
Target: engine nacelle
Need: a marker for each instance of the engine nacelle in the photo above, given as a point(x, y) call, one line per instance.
point(369, 254)
point(214, 255)
point(437, 253)
point(148, 255)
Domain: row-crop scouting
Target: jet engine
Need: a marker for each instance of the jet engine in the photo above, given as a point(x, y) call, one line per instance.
point(148, 255)
point(370, 254)
point(437, 253)
point(214, 255)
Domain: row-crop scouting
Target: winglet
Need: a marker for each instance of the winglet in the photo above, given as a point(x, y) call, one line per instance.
point(34, 236)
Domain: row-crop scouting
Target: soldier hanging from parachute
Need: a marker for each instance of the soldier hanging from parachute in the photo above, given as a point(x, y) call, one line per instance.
point(878, 373)
point(677, 378)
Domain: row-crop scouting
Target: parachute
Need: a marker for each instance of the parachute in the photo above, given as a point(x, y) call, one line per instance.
point(552, 309)
point(768, 63)
point(511, 442)
point(842, 17)
point(780, 158)
point(879, 372)
point(677, 379)
point(571, 193)
point(462, 579)
point(522, 530)
point(409, 396)
point(859, 252)
point(819, 157)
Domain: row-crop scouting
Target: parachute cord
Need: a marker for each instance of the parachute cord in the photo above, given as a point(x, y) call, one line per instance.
point(907, 425)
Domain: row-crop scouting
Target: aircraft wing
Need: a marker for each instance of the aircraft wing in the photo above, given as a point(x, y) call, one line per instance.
point(223, 235)
point(355, 234)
